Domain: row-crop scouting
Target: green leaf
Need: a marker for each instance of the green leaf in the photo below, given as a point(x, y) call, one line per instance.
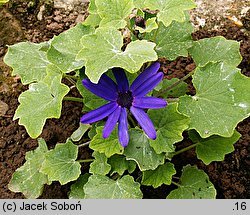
point(141, 152)
point(28, 179)
point(78, 133)
point(60, 163)
point(3, 1)
point(102, 51)
point(90, 100)
point(222, 100)
point(172, 41)
point(139, 3)
point(76, 189)
point(92, 131)
point(177, 91)
point(119, 165)
point(99, 165)
point(43, 100)
point(109, 146)
point(102, 187)
point(194, 184)
point(65, 46)
point(170, 9)
point(114, 12)
point(28, 61)
point(150, 26)
point(169, 124)
point(162, 175)
point(214, 50)
point(213, 148)
point(93, 19)
point(92, 6)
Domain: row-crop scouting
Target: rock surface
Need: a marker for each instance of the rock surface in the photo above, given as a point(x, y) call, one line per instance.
point(216, 14)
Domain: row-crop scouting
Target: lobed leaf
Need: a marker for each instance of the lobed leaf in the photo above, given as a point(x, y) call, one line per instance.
point(43, 100)
point(170, 10)
point(60, 163)
point(139, 3)
point(172, 41)
point(100, 165)
point(169, 124)
point(114, 12)
point(221, 101)
point(102, 51)
point(141, 152)
point(213, 148)
point(109, 146)
point(94, 18)
point(64, 48)
point(76, 189)
point(214, 50)
point(28, 179)
point(28, 60)
point(162, 175)
point(194, 184)
point(150, 26)
point(92, 132)
point(119, 165)
point(102, 187)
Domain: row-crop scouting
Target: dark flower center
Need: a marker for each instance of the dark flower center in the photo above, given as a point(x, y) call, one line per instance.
point(125, 99)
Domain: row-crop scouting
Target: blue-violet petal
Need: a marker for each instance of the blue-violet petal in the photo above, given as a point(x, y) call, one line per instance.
point(145, 75)
point(121, 79)
point(144, 121)
point(123, 128)
point(99, 113)
point(107, 82)
point(148, 85)
point(111, 122)
point(100, 90)
point(149, 102)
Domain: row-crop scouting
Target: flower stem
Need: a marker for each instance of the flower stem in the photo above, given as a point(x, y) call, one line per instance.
point(132, 120)
point(178, 185)
point(170, 100)
point(185, 149)
point(116, 177)
point(84, 144)
point(86, 160)
point(174, 84)
point(156, 31)
point(71, 80)
point(70, 76)
point(139, 178)
point(74, 99)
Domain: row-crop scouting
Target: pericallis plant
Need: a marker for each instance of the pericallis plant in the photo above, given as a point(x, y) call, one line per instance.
point(133, 119)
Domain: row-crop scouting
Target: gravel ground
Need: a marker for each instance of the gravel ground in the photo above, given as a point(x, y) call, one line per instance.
point(216, 14)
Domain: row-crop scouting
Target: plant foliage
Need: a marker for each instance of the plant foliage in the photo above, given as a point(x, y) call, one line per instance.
point(131, 35)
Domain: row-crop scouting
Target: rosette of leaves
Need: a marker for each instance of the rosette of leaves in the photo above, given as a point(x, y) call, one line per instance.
point(112, 37)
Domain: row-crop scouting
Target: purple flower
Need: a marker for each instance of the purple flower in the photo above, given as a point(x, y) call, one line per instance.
point(122, 97)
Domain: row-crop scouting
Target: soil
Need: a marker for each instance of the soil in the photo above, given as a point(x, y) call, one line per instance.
point(18, 22)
